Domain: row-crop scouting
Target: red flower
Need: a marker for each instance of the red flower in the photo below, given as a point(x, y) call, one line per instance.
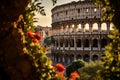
point(74, 75)
point(71, 79)
point(60, 67)
point(38, 36)
point(35, 41)
point(30, 34)
point(61, 74)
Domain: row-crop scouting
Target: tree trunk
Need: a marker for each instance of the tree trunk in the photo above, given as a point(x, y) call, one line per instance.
point(15, 64)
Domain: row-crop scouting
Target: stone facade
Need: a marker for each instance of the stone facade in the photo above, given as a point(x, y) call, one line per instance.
point(78, 32)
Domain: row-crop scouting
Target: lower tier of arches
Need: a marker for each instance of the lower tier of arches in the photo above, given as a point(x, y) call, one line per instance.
point(67, 57)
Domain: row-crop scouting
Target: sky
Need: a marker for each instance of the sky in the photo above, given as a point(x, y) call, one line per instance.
point(47, 20)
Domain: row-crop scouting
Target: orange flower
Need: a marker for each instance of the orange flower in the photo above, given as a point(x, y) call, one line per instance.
point(60, 67)
point(74, 75)
point(30, 34)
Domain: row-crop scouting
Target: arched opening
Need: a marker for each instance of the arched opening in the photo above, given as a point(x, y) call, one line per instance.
point(95, 57)
point(71, 57)
point(78, 43)
point(73, 27)
point(79, 28)
point(104, 26)
point(86, 57)
point(86, 43)
point(57, 57)
point(66, 58)
point(95, 43)
point(95, 27)
point(72, 43)
point(61, 42)
point(57, 43)
point(86, 28)
point(53, 41)
point(66, 43)
point(103, 43)
point(79, 56)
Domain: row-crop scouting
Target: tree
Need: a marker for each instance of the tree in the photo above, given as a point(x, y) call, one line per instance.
point(90, 71)
point(111, 12)
point(74, 66)
point(17, 58)
point(47, 41)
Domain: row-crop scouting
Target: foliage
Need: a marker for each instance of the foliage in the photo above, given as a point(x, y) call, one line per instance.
point(91, 71)
point(74, 66)
point(111, 12)
point(43, 65)
point(47, 41)
point(112, 58)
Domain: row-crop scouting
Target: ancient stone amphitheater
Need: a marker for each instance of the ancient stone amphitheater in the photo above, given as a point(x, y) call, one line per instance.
point(78, 32)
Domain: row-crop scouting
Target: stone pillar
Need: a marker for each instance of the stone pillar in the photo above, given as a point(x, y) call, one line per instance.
point(82, 27)
point(63, 60)
point(90, 41)
point(76, 27)
point(82, 43)
point(75, 44)
point(70, 28)
point(90, 27)
point(99, 44)
point(99, 27)
point(108, 27)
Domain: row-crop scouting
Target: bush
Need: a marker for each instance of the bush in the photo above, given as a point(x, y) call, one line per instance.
point(91, 71)
point(74, 66)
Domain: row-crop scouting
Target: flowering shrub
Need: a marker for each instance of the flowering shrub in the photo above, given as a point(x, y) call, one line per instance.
point(36, 37)
point(60, 69)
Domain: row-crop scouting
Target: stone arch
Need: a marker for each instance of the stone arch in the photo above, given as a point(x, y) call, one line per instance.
point(71, 57)
point(73, 27)
point(72, 43)
point(53, 41)
point(86, 27)
point(66, 43)
point(86, 57)
point(79, 56)
point(95, 57)
point(95, 27)
point(86, 43)
point(66, 58)
point(79, 28)
point(103, 42)
point(57, 42)
point(95, 43)
point(104, 26)
point(61, 42)
point(78, 42)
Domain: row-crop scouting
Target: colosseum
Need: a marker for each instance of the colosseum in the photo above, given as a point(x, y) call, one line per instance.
point(78, 32)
